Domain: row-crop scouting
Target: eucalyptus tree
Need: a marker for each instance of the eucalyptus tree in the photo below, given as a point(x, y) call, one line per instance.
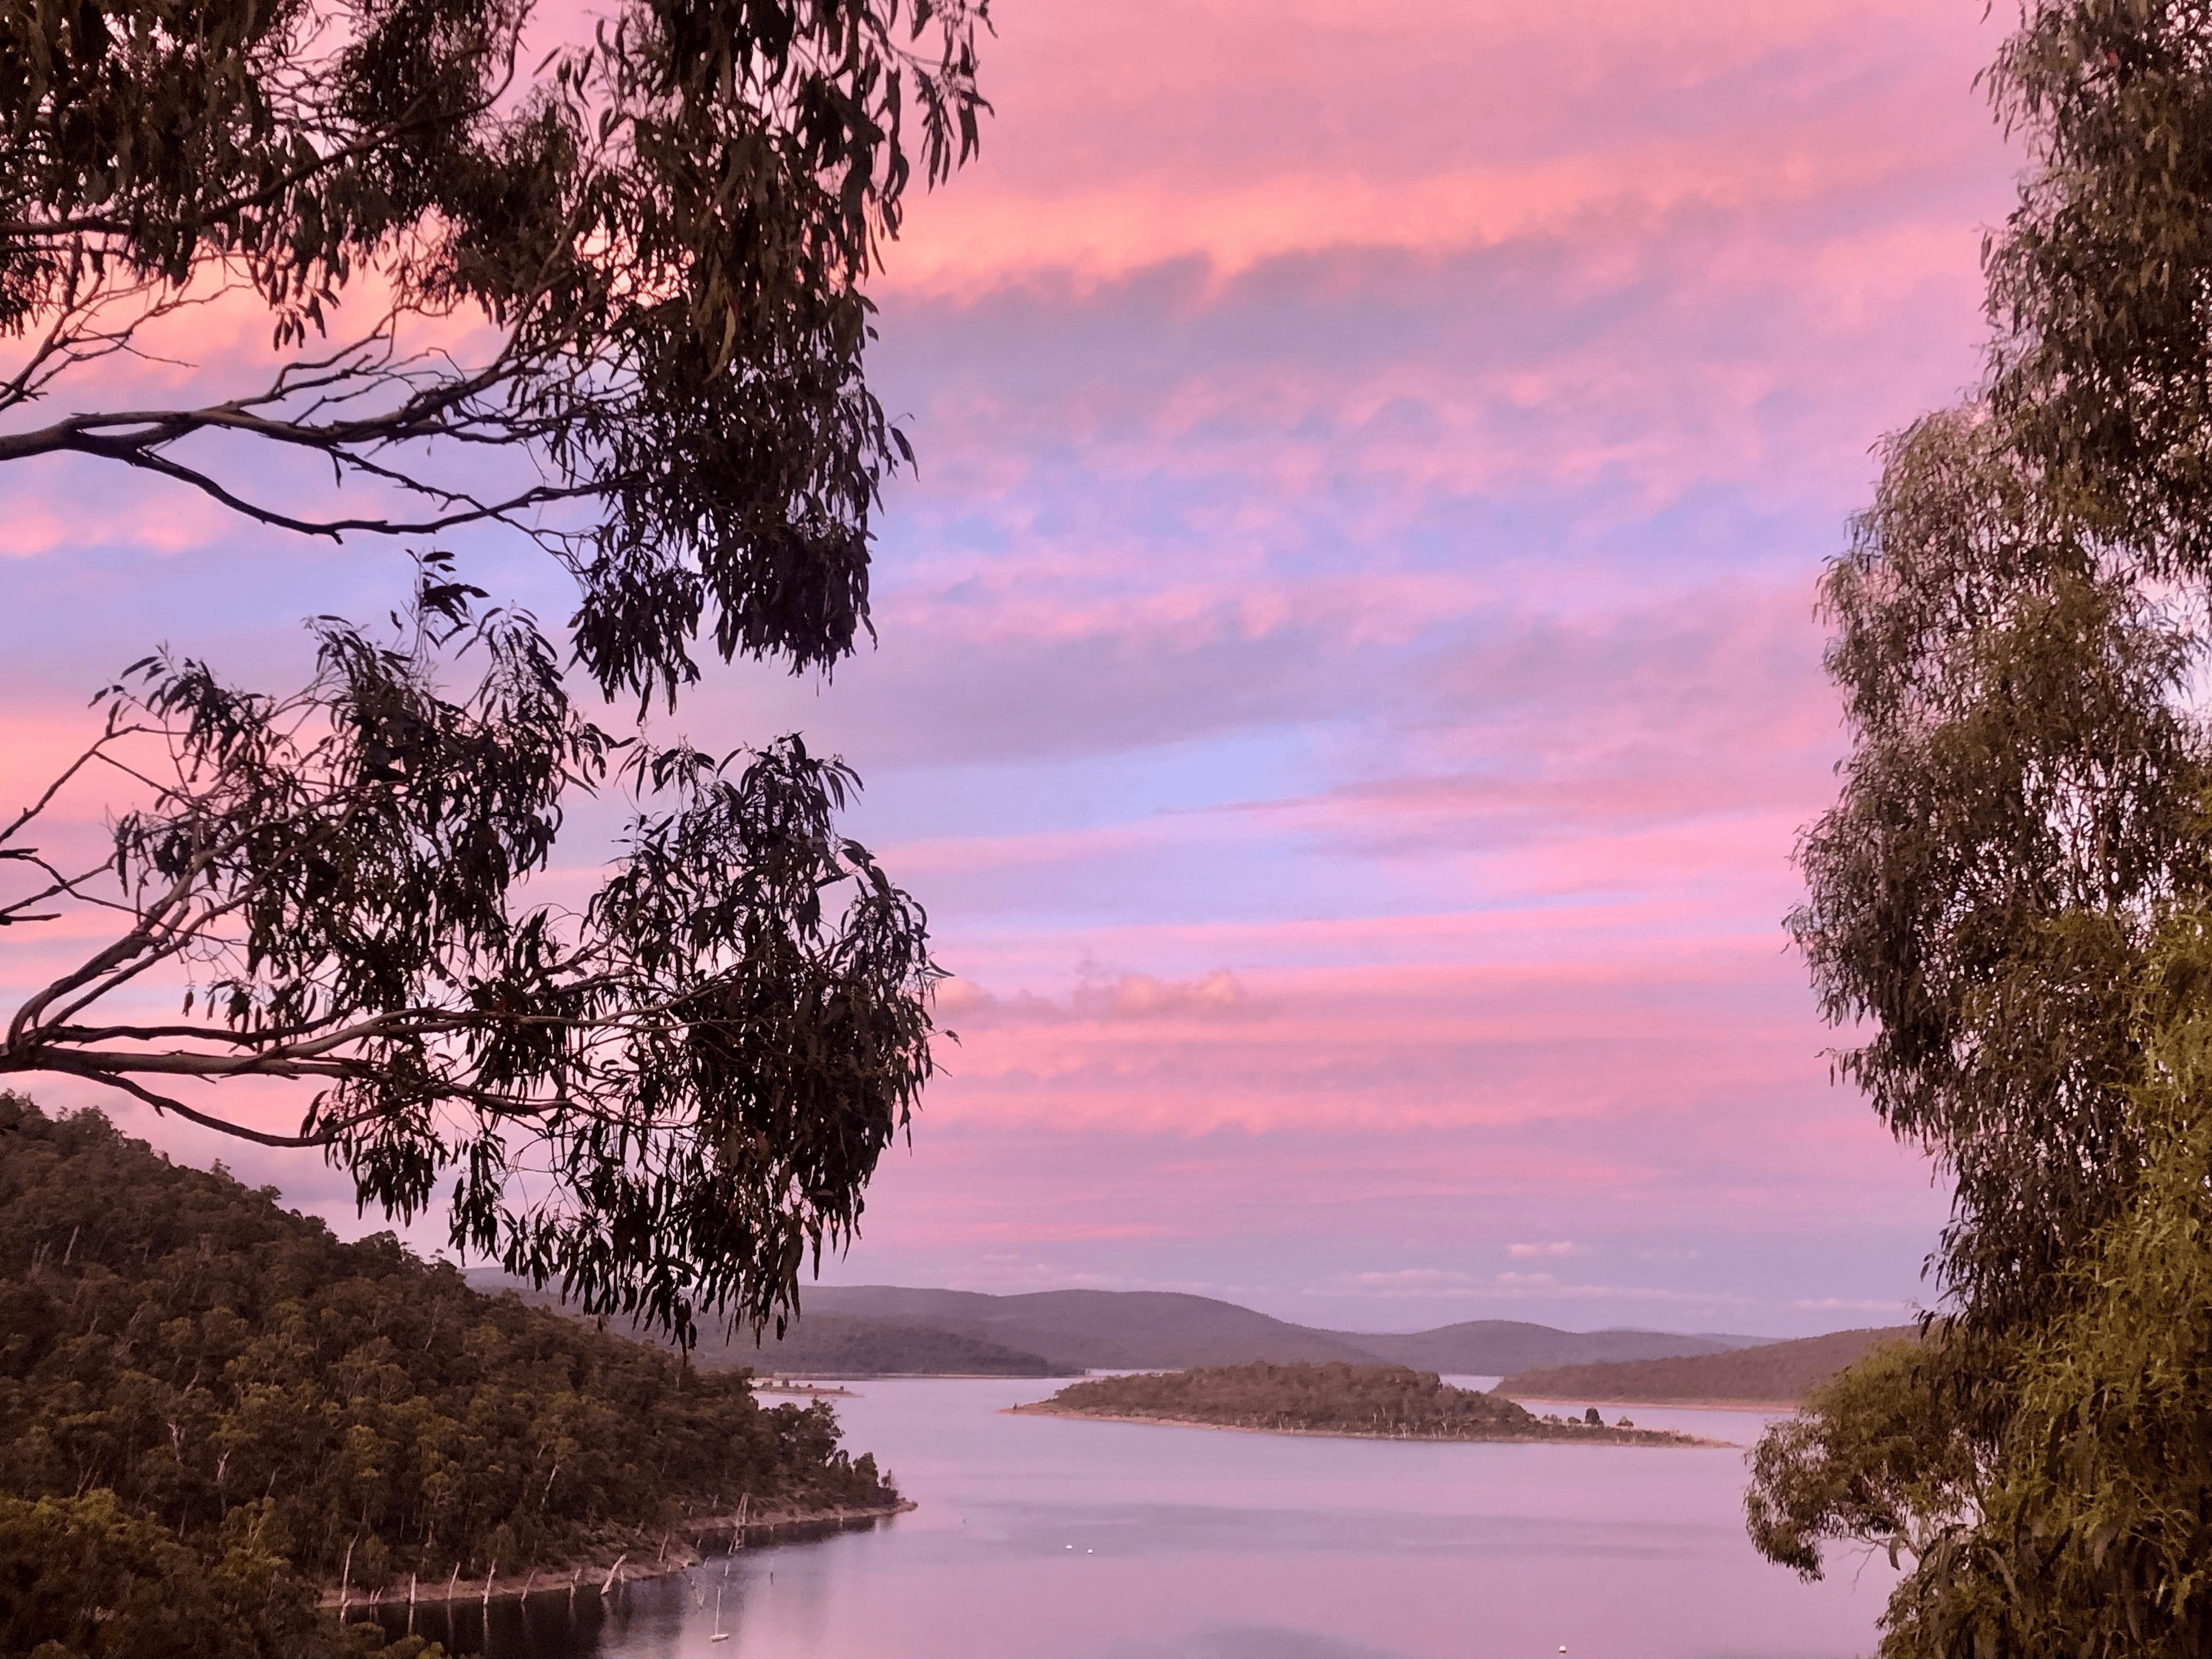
point(608, 295)
point(2007, 904)
point(2021, 806)
point(656, 240)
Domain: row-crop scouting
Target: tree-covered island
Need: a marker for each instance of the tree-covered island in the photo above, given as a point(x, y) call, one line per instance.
point(1379, 1402)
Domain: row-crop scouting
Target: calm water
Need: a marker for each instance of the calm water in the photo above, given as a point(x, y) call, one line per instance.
point(1040, 1538)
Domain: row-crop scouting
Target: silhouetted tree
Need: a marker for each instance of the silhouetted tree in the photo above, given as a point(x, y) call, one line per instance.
point(656, 239)
point(617, 305)
point(2008, 900)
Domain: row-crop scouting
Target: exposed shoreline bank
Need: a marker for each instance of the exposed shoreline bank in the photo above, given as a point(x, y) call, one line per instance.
point(604, 1572)
point(1652, 1404)
point(1652, 1438)
point(762, 1383)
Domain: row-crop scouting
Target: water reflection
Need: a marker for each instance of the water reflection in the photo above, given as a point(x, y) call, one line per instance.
point(642, 1616)
point(1039, 1538)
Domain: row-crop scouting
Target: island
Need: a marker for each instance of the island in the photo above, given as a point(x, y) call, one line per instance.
point(1369, 1402)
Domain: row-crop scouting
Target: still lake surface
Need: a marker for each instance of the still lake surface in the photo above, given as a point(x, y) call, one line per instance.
point(1044, 1538)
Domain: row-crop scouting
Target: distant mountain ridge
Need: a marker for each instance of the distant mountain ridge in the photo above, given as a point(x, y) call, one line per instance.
point(1097, 1330)
point(1503, 1345)
point(838, 1344)
point(828, 1344)
point(869, 1330)
point(1774, 1373)
point(1170, 1330)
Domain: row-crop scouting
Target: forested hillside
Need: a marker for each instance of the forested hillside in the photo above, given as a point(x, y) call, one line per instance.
point(1776, 1374)
point(888, 1330)
point(1494, 1347)
point(834, 1345)
point(1114, 1330)
point(1106, 1330)
point(230, 1371)
point(819, 1345)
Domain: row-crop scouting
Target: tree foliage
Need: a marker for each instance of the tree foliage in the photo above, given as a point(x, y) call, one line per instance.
point(237, 1380)
point(1875, 1455)
point(655, 243)
point(614, 303)
point(2099, 281)
point(1388, 1401)
point(86, 1578)
point(2078, 1519)
point(2010, 894)
point(665, 1099)
point(2095, 1535)
point(2022, 798)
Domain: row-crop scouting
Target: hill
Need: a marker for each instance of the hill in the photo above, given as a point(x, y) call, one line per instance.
point(838, 1344)
point(1380, 1402)
point(188, 1371)
point(889, 1330)
point(1774, 1373)
point(821, 1345)
point(1130, 1330)
point(1497, 1347)
point(1099, 1330)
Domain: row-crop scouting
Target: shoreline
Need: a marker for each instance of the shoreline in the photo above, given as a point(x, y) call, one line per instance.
point(930, 1377)
point(602, 1574)
point(1700, 1405)
point(1658, 1439)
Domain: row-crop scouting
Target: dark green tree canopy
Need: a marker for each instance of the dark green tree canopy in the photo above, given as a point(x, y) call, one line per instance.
point(668, 1098)
point(2098, 284)
point(2007, 901)
point(607, 295)
point(660, 235)
point(2023, 799)
point(211, 1411)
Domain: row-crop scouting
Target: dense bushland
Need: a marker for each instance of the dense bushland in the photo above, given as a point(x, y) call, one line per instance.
point(1771, 1374)
point(1392, 1400)
point(216, 1363)
point(2007, 908)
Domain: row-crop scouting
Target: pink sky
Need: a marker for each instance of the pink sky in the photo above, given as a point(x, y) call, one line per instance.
point(1348, 688)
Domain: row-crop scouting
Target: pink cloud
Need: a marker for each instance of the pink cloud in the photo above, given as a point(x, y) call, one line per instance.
point(1259, 134)
point(1349, 685)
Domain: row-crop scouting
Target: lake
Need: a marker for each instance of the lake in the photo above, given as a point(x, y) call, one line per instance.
point(1043, 1538)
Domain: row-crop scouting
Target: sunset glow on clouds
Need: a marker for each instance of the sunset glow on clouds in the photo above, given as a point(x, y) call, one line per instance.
point(1348, 685)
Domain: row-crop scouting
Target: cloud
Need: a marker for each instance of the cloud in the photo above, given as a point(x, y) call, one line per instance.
point(1337, 125)
point(1663, 1295)
point(1348, 685)
point(1208, 998)
point(1410, 1279)
point(1417, 1284)
point(1561, 1248)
